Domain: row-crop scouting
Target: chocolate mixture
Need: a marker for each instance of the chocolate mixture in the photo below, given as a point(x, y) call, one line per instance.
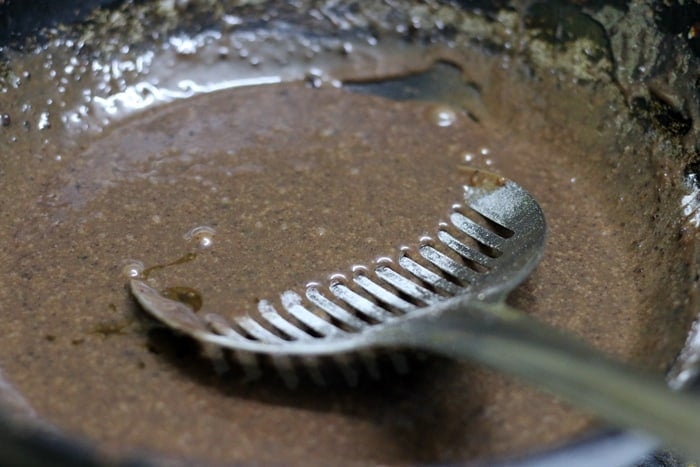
point(244, 193)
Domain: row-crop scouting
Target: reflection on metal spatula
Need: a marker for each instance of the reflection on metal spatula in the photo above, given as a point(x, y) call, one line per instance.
point(447, 297)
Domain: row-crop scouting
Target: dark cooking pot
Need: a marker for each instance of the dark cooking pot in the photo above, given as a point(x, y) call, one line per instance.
point(658, 84)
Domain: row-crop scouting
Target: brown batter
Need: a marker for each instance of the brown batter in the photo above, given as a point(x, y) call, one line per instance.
point(288, 184)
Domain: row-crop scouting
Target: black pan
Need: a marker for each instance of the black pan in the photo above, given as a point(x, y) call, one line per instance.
point(652, 50)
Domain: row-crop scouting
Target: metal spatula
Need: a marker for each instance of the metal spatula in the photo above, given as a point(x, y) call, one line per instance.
point(447, 297)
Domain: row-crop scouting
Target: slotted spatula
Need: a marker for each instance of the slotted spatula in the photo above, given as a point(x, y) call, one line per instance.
point(447, 297)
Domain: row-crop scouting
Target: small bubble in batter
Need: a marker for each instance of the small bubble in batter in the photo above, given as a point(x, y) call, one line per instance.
point(202, 236)
point(443, 116)
point(44, 123)
point(133, 268)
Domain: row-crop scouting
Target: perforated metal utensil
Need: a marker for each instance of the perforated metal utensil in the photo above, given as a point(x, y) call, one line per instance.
point(445, 297)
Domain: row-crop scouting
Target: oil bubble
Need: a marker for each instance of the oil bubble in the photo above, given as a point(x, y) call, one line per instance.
point(132, 269)
point(314, 78)
point(443, 116)
point(223, 52)
point(183, 294)
point(202, 236)
point(44, 123)
point(231, 20)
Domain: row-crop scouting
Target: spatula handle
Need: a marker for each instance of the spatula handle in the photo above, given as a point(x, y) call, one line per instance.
point(505, 339)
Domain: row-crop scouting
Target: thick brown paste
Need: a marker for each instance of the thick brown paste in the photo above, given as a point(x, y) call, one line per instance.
point(252, 191)
point(293, 183)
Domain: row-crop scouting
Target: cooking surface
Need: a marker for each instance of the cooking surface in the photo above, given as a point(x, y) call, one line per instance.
point(294, 183)
point(243, 193)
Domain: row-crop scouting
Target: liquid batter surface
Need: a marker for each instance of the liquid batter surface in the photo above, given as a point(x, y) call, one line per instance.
point(113, 165)
point(287, 184)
